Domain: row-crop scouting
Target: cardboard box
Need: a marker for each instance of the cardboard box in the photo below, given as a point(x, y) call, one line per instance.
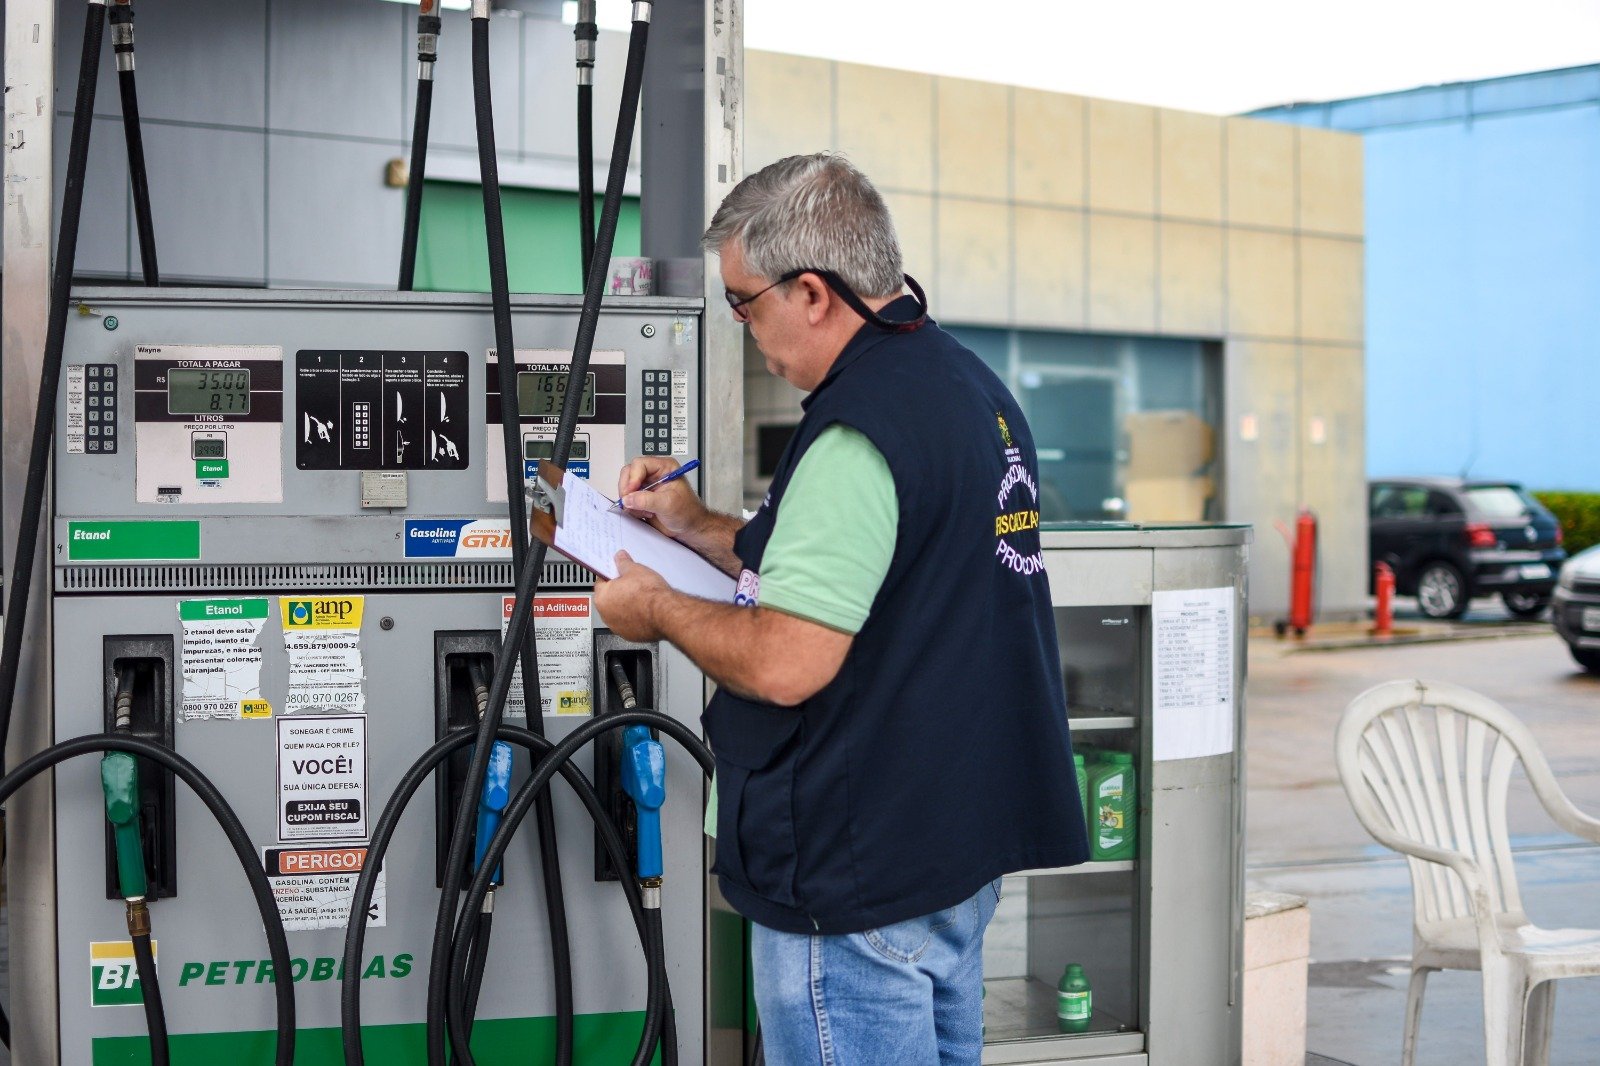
point(1168, 499)
point(1167, 444)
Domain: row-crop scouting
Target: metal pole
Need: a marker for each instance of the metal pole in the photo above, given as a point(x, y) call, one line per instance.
point(24, 295)
point(692, 144)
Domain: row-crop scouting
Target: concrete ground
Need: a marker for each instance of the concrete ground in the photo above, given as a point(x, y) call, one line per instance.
point(1301, 837)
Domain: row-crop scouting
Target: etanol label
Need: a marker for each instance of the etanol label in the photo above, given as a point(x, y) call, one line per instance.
point(118, 541)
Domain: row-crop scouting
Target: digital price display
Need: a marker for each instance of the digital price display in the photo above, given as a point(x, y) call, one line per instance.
point(546, 449)
point(192, 391)
point(210, 448)
point(540, 395)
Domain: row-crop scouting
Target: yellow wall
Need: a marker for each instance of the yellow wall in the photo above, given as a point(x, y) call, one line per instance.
point(1027, 209)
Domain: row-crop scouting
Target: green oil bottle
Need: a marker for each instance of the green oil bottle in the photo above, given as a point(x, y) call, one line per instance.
point(1083, 783)
point(1074, 1000)
point(1114, 801)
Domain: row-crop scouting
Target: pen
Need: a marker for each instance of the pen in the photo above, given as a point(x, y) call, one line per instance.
point(692, 464)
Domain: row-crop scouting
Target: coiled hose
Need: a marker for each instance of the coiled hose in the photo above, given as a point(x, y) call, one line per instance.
point(548, 766)
point(383, 834)
point(528, 568)
point(238, 838)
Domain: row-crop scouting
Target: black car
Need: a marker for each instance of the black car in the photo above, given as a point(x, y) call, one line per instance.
point(1577, 607)
point(1449, 540)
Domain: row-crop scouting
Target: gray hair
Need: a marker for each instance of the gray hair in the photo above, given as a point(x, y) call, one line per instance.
point(815, 212)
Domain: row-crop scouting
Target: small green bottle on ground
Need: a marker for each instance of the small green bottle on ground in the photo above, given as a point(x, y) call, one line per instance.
point(1074, 1000)
point(1115, 801)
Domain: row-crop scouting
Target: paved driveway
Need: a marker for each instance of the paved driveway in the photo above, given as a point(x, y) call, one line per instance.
point(1302, 838)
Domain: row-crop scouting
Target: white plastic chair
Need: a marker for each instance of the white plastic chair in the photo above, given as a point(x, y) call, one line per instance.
point(1426, 766)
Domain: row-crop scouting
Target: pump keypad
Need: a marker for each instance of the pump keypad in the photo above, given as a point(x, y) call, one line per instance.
point(100, 408)
point(656, 405)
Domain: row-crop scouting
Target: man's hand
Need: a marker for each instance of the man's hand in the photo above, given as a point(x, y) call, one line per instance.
point(673, 509)
point(627, 603)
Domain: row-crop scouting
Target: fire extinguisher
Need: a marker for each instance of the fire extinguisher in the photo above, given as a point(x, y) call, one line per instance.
point(1302, 573)
point(1383, 583)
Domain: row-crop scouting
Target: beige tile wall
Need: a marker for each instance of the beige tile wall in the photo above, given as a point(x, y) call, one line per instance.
point(1026, 209)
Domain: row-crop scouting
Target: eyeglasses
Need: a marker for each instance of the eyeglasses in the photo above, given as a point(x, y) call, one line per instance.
point(739, 306)
point(741, 311)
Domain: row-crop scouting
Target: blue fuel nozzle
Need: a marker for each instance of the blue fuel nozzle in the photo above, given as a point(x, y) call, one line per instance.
point(644, 779)
point(492, 804)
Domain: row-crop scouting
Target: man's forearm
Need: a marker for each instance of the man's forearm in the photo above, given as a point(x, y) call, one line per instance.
point(755, 653)
point(713, 537)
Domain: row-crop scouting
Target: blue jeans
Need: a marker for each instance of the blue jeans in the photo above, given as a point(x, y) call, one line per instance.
point(909, 993)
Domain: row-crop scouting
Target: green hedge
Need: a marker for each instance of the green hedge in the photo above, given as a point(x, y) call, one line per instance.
point(1579, 515)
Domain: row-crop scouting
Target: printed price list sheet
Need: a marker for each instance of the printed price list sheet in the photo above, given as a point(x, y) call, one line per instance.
point(1193, 683)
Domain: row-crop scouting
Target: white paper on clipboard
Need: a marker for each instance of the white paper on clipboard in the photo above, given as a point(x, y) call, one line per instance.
point(592, 531)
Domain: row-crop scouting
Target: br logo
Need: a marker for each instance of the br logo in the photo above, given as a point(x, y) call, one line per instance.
point(114, 975)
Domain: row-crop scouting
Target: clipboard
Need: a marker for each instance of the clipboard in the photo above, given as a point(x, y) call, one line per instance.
point(583, 532)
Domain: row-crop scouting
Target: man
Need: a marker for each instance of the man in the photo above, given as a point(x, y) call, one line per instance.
point(890, 727)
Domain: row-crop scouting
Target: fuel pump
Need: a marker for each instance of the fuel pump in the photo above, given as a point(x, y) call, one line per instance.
point(256, 494)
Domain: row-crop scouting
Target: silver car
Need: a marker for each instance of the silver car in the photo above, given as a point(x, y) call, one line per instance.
point(1575, 606)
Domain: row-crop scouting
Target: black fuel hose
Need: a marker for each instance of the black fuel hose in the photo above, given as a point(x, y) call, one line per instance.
point(429, 26)
point(586, 33)
point(238, 838)
point(121, 18)
point(524, 654)
point(586, 175)
point(155, 1015)
point(383, 834)
point(20, 576)
point(538, 782)
point(528, 572)
point(477, 961)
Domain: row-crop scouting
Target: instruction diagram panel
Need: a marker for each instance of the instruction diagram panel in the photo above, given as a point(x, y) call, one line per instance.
point(380, 410)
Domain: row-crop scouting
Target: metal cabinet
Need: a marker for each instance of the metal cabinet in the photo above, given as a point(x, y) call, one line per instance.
point(1151, 622)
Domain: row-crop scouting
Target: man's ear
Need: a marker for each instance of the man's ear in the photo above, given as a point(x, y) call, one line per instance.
point(818, 297)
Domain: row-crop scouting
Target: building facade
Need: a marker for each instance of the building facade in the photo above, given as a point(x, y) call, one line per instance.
point(1176, 298)
point(1482, 318)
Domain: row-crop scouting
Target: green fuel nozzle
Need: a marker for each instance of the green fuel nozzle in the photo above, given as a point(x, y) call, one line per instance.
point(119, 779)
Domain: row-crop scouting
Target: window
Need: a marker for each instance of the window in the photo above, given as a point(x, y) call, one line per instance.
point(1442, 505)
point(770, 443)
point(1124, 426)
point(1498, 501)
point(1394, 502)
point(542, 246)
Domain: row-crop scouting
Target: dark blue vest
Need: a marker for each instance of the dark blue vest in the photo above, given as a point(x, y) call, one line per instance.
point(939, 758)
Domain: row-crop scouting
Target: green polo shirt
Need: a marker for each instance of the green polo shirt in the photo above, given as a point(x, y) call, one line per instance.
point(833, 539)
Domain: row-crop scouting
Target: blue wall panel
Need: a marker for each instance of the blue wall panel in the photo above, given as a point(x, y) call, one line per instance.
point(1483, 277)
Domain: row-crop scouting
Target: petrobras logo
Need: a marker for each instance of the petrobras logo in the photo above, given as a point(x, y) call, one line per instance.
point(456, 538)
point(114, 975)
